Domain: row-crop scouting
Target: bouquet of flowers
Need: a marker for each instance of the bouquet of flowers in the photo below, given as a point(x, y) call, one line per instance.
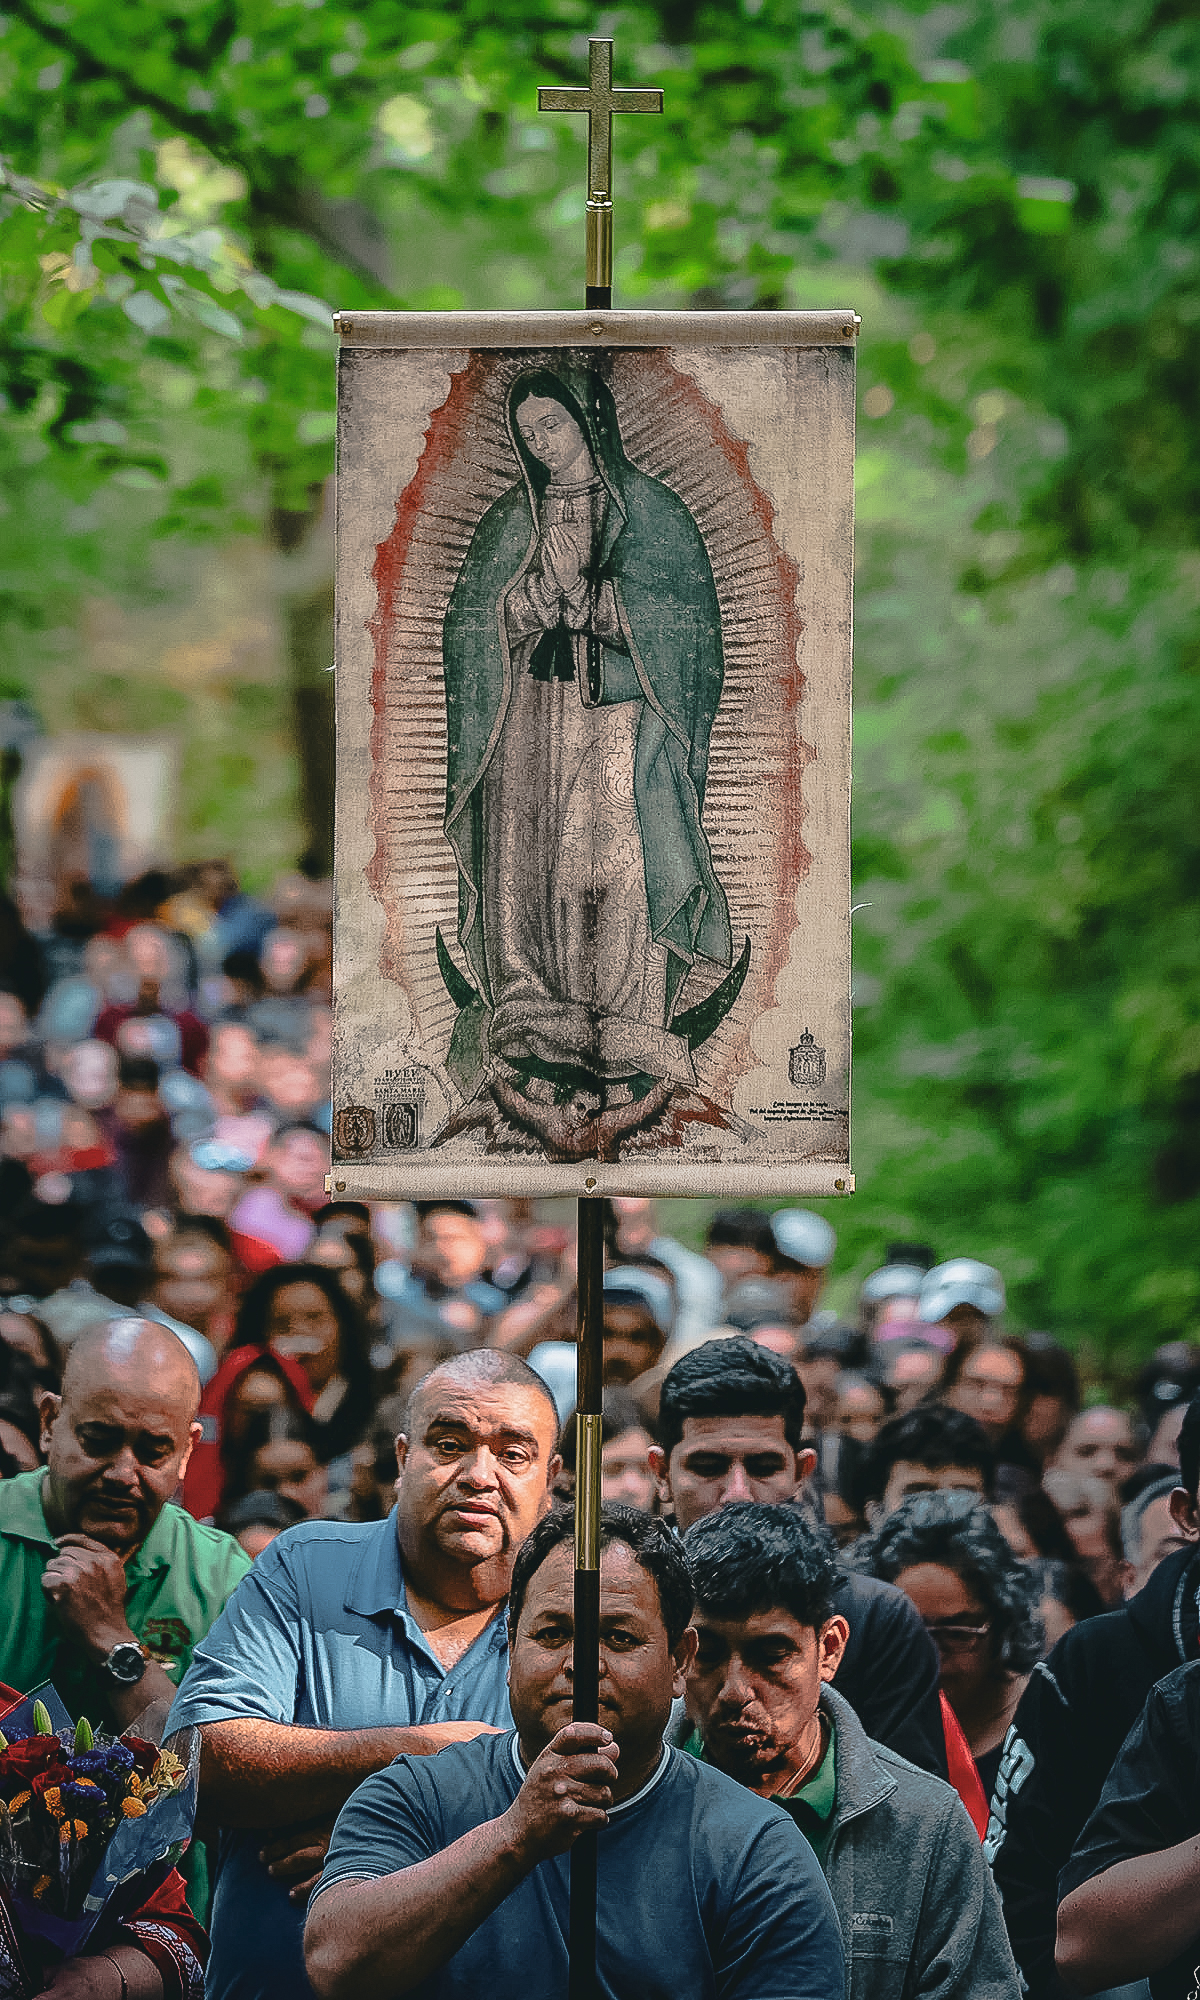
point(90, 1824)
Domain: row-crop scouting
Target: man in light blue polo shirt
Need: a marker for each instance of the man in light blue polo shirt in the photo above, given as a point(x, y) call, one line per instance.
point(350, 1644)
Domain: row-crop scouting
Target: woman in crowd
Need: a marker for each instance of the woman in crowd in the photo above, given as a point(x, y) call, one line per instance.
point(300, 1313)
point(276, 1454)
point(250, 1382)
point(987, 1382)
point(978, 1602)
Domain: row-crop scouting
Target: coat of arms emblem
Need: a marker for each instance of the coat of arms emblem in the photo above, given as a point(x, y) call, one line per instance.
point(806, 1062)
point(353, 1129)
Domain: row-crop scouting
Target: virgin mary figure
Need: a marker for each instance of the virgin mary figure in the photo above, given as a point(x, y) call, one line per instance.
point(583, 669)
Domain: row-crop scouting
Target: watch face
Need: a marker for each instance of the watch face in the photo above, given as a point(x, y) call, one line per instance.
point(126, 1664)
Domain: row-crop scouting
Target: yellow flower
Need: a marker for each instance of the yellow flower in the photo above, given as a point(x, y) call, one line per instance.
point(135, 1785)
point(169, 1770)
point(132, 1808)
point(52, 1800)
point(22, 1799)
point(41, 1885)
point(72, 1829)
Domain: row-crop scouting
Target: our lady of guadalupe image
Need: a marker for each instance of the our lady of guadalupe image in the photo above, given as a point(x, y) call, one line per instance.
point(583, 670)
point(593, 712)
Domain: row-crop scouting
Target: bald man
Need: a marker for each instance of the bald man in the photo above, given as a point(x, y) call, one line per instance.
point(107, 1586)
point(350, 1643)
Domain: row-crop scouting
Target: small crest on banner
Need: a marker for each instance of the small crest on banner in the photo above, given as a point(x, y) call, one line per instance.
point(353, 1130)
point(402, 1125)
point(806, 1062)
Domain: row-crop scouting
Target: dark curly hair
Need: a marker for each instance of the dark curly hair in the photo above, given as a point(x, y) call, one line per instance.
point(747, 1559)
point(957, 1531)
point(653, 1547)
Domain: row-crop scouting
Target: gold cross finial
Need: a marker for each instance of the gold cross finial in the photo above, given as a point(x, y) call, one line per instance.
point(600, 101)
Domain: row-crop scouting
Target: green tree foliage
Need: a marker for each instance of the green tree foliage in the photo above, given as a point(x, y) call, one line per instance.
point(1008, 192)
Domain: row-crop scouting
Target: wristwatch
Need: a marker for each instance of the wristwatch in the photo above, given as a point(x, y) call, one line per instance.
point(125, 1664)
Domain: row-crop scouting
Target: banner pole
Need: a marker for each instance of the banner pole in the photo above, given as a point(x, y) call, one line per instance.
point(586, 1704)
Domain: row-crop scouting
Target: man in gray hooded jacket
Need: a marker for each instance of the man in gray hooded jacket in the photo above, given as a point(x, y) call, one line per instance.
point(919, 1914)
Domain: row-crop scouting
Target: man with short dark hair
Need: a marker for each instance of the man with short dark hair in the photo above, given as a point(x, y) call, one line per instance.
point(769, 1643)
point(350, 1643)
point(448, 1878)
point(1070, 1723)
point(447, 1291)
point(731, 1425)
point(932, 1449)
point(739, 1242)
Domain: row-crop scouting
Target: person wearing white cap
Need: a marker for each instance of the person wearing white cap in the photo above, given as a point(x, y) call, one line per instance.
point(638, 1313)
point(804, 1247)
point(963, 1296)
point(639, 1309)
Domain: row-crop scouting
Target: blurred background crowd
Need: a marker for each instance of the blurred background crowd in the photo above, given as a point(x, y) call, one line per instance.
point(164, 1119)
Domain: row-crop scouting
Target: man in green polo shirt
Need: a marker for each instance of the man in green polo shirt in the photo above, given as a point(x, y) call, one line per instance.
point(914, 1898)
point(106, 1586)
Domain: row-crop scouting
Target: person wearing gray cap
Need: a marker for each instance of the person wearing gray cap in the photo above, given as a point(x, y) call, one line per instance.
point(892, 1281)
point(962, 1297)
point(804, 1247)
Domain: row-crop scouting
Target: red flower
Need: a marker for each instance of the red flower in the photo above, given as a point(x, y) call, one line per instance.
point(54, 1774)
point(20, 1763)
point(145, 1755)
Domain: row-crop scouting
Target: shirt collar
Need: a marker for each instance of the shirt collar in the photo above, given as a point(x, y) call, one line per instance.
point(26, 1522)
point(376, 1580)
point(819, 1793)
point(656, 1776)
point(24, 1518)
point(376, 1589)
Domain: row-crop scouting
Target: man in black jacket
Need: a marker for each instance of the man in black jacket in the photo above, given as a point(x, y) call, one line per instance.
point(1072, 1720)
point(730, 1423)
point(1129, 1904)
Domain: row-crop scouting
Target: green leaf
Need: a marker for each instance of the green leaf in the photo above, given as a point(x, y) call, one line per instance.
point(146, 311)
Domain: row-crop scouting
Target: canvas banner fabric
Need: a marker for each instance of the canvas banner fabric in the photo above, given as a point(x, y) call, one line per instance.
point(593, 753)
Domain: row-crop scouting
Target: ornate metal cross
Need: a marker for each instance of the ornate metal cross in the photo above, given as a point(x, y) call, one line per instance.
point(600, 101)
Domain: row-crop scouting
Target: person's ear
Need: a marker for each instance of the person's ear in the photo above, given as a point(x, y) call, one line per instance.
point(401, 1453)
point(553, 1468)
point(874, 1513)
point(806, 1465)
point(49, 1406)
point(660, 1467)
point(831, 1644)
point(1185, 1513)
point(195, 1433)
point(684, 1657)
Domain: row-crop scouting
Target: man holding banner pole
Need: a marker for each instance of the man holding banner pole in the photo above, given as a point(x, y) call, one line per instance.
point(447, 1876)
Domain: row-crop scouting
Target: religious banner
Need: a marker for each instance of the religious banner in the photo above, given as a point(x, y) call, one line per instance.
point(593, 713)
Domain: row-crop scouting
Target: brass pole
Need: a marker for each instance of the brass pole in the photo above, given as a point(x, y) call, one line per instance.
point(586, 1650)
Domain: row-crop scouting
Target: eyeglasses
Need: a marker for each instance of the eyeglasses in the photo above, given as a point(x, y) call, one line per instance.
point(956, 1638)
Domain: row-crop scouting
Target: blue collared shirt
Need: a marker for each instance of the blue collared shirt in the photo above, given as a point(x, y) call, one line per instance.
point(318, 1633)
